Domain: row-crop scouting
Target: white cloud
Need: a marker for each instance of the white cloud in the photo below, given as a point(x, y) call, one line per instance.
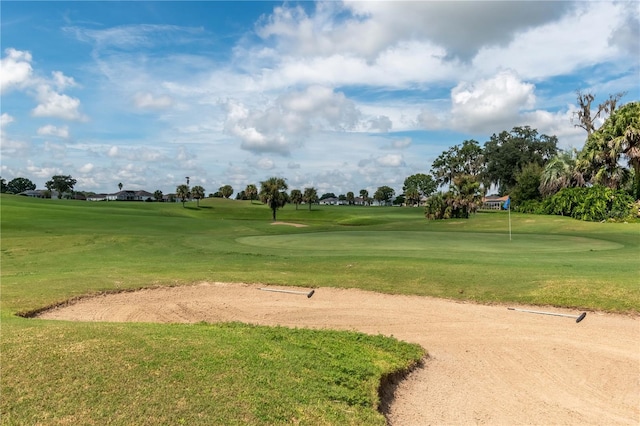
point(16, 69)
point(113, 152)
point(57, 105)
point(281, 125)
point(51, 130)
point(390, 160)
point(149, 101)
point(491, 103)
point(87, 168)
point(5, 119)
point(265, 164)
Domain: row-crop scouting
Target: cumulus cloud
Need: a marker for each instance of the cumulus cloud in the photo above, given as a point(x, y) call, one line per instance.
point(16, 69)
point(490, 103)
point(51, 130)
point(57, 105)
point(335, 27)
point(282, 125)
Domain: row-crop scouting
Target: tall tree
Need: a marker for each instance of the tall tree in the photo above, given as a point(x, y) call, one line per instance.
point(251, 191)
point(508, 152)
point(466, 158)
point(157, 195)
point(273, 193)
point(3, 185)
point(61, 184)
point(20, 184)
point(586, 118)
point(183, 192)
point(296, 197)
point(310, 196)
point(364, 194)
point(197, 192)
point(384, 194)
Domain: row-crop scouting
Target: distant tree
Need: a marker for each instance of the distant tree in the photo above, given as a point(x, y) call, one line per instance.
point(342, 197)
point(364, 194)
point(463, 198)
point(399, 200)
point(242, 195)
point(197, 192)
point(120, 186)
point(20, 184)
point(226, 191)
point(3, 185)
point(527, 184)
point(507, 153)
point(350, 197)
point(273, 193)
point(158, 195)
point(412, 196)
point(296, 197)
point(217, 194)
point(417, 186)
point(251, 191)
point(183, 193)
point(466, 158)
point(328, 195)
point(384, 194)
point(310, 196)
point(61, 184)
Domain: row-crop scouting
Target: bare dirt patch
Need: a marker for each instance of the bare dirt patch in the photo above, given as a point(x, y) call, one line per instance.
point(297, 225)
point(487, 364)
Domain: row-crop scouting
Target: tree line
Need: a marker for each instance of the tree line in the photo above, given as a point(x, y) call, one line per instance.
point(597, 182)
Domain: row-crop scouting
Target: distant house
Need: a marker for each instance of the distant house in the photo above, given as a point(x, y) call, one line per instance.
point(332, 201)
point(494, 202)
point(97, 197)
point(34, 193)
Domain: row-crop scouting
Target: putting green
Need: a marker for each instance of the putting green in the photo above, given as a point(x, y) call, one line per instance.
point(425, 242)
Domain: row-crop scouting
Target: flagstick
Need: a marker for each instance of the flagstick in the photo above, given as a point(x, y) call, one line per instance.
point(509, 221)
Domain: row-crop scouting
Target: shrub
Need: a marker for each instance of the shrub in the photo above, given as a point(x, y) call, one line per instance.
point(596, 203)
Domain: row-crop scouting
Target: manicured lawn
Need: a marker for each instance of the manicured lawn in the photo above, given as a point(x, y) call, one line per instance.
point(60, 372)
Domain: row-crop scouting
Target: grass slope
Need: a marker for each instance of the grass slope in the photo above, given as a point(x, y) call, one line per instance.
point(60, 372)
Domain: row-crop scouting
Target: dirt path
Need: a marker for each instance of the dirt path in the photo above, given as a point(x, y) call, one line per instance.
point(487, 365)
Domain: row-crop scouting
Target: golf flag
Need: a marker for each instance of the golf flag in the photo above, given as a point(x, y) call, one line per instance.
point(507, 203)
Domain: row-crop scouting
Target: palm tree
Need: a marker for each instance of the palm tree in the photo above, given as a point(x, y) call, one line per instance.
point(197, 192)
point(273, 193)
point(157, 195)
point(412, 195)
point(296, 197)
point(251, 191)
point(182, 191)
point(350, 197)
point(561, 172)
point(310, 196)
point(120, 186)
point(364, 194)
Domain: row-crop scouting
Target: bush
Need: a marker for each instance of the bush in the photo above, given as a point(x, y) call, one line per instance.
point(594, 204)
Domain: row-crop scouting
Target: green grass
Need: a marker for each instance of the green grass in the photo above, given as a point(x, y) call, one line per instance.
point(61, 372)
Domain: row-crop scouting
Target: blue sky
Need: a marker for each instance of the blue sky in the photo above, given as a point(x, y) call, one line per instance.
point(341, 96)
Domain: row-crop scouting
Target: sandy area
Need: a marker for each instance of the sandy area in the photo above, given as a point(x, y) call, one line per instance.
point(487, 364)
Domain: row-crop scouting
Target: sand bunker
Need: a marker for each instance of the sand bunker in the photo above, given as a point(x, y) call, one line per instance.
point(487, 365)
